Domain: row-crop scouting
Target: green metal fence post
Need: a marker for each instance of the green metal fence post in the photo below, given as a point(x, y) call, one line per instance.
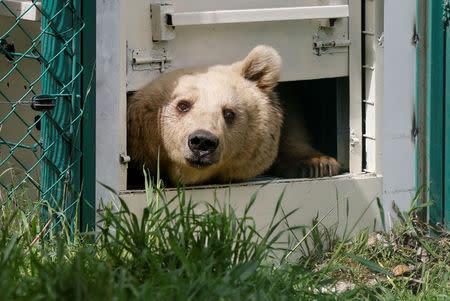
point(87, 207)
point(446, 204)
point(60, 130)
point(435, 110)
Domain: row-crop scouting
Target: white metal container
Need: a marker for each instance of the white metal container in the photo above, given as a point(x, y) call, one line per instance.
point(136, 44)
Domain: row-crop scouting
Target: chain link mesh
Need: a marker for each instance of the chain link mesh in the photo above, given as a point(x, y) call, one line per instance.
point(40, 150)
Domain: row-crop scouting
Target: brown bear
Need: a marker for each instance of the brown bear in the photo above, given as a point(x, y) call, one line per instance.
point(220, 124)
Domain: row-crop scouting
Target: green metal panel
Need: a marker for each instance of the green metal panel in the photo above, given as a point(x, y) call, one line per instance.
point(435, 106)
point(437, 113)
point(87, 221)
point(60, 126)
point(446, 203)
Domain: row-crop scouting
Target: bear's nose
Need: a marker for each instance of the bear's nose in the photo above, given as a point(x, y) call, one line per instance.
point(202, 143)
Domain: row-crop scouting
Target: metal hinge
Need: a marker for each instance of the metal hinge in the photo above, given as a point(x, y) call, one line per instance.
point(143, 59)
point(320, 46)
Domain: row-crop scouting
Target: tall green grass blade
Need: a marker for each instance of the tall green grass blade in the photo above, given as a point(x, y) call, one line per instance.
point(277, 207)
point(413, 205)
point(148, 188)
point(251, 202)
point(370, 265)
point(381, 210)
point(248, 269)
point(7, 251)
point(307, 235)
point(25, 225)
point(428, 248)
point(347, 212)
point(426, 204)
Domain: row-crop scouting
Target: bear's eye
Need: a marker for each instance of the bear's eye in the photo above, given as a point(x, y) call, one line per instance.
point(183, 106)
point(228, 115)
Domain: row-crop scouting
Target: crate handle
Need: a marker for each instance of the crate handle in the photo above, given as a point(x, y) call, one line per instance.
point(258, 15)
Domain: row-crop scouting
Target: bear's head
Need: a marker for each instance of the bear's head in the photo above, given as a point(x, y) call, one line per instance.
point(219, 123)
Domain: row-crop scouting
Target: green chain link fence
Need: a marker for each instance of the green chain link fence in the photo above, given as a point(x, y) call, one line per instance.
point(40, 105)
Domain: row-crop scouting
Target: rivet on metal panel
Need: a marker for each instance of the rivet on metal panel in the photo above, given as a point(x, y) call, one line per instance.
point(353, 138)
point(124, 159)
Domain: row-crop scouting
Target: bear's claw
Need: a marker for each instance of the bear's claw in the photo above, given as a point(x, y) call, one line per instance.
point(323, 166)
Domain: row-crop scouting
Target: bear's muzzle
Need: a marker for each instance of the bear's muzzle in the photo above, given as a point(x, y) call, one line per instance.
point(203, 144)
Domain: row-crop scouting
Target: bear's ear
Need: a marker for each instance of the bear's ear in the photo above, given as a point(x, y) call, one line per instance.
point(262, 65)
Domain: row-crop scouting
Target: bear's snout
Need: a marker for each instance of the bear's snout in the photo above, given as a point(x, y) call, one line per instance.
point(202, 143)
point(203, 147)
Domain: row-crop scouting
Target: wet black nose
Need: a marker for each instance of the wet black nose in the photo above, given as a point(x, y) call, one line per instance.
point(202, 143)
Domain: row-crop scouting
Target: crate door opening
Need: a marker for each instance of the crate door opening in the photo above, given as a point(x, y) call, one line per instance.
point(312, 37)
point(320, 106)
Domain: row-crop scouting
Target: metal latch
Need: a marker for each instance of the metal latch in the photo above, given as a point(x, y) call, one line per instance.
point(320, 46)
point(162, 28)
point(143, 59)
point(43, 102)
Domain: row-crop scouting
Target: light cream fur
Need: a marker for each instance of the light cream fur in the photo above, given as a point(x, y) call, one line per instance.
point(247, 147)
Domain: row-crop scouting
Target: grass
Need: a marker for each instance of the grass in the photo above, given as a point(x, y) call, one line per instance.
point(183, 250)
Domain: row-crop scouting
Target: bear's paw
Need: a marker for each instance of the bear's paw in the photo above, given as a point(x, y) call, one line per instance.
point(316, 167)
